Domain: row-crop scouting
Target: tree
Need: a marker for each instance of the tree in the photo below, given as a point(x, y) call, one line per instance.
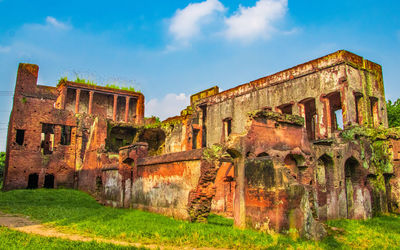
point(393, 112)
point(2, 164)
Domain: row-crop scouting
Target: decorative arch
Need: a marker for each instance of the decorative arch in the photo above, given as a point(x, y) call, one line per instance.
point(296, 164)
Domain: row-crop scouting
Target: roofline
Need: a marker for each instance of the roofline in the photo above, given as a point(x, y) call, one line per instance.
point(333, 59)
point(98, 88)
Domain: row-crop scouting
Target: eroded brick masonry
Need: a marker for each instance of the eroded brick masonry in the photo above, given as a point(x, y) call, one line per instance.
point(286, 151)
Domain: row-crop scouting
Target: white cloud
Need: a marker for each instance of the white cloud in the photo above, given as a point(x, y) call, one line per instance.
point(55, 23)
point(5, 49)
point(170, 105)
point(187, 23)
point(249, 23)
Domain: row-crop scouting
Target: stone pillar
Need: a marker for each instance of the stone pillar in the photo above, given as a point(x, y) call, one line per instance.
point(63, 97)
point(115, 108)
point(140, 109)
point(321, 127)
point(78, 93)
point(328, 115)
point(127, 108)
point(90, 102)
point(239, 212)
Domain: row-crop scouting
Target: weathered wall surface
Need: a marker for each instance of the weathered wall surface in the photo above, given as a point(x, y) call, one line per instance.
point(162, 185)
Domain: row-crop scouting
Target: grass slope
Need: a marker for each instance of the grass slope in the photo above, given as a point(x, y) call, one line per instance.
point(75, 211)
point(10, 239)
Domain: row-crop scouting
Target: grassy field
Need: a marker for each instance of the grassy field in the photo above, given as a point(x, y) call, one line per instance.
point(74, 211)
point(10, 239)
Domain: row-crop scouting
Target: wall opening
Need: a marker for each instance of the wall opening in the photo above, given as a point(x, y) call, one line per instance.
point(99, 184)
point(374, 111)
point(204, 126)
point(155, 138)
point(295, 164)
point(132, 109)
point(70, 100)
point(310, 113)
point(19, 138)
point(33, 181)
point(195, 138)
point(84, 102)
point(351, 181)
point(286, 109)
point(49, 181)
point(358, 99)
point(47, 139)
point(227, 126)
point(65, 135)
point(121, 103)
point(324, 181)
point(388, 188)
point(119, 136)
point(335, 105)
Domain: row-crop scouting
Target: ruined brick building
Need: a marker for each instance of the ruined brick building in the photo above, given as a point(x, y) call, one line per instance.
point(272, 153)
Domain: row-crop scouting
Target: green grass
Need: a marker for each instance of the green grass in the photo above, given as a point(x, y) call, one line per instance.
point(10, 239)
point(75, 211)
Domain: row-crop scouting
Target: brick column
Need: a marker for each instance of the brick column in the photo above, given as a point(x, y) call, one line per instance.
point(115, 108)
point(140, 109)
point(239, 212)
point(63, 95)
point(90, 101)
point(127, 108)
point(78, 93)
point(321, 118)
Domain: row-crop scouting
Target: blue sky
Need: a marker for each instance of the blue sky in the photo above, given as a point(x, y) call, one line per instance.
point(171, 49)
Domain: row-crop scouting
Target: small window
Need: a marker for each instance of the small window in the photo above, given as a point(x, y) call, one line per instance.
point(47, 137)
point(286, 109)
point(374, 110)
point(195, 138)
point(65, 135)
point(227, 127)
point(19, 139)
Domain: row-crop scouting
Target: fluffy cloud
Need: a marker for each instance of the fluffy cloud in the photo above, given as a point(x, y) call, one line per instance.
point(170, 105)
point(187, 23)
point(55, 23)
point(249, 23)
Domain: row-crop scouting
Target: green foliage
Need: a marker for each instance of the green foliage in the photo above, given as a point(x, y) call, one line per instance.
point(2, 165)
point(10, 239)
point(76, 212)
point(393, 112)
point(114, 86)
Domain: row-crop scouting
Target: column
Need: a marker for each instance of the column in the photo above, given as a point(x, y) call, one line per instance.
point(321, 128)
point(127, 108)
point(78, 93)
point(140, 109)
point(328, 115)
point(239, 212)
point(90, 102)
point(63, 99)
point(115, 108)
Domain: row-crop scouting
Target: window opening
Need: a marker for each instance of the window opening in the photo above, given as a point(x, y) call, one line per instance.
point(19, 139)
point(310, 117)
point(335, 104)
point(374, 110)
point(195, 138)
point(47, 137)
point(227, 127)
point(65, 135)
point(358, 99)
point(286, 109)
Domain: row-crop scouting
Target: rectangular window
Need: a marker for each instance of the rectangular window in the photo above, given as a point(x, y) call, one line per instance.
point(195, 138)
point(19, 138)
point(374, 111)
point(47, 136)
point(227, 126)
point(358, 98)
point(286, 109)
point(65, 135)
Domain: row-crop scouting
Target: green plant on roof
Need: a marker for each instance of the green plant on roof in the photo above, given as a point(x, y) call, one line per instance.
point(114, 86)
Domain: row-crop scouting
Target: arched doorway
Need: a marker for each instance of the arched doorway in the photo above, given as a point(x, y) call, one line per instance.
point(352, 179)
point(49, 181)
point(324, 184)
point(33, 180)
